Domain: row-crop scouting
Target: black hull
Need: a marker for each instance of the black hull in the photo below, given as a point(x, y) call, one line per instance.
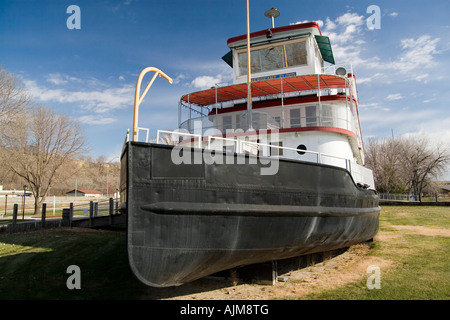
point(190, 220)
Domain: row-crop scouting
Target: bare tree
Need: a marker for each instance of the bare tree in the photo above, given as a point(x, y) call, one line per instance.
point(406, 164)
point(421, 163)
point(13, 103)
point(38, 152)
point(384, 160)
point(13, 98)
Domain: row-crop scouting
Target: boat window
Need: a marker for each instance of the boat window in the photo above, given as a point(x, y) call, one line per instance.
point(296, 53)
point(295, 118)
point(327, 115)
point(242, 123)
point(272, 57)
point(311, 119)
point(277, 120)
point(227, 123)
point(259, 121)
point(301, 147)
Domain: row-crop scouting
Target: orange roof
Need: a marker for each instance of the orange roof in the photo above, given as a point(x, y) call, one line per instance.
point(263, 88)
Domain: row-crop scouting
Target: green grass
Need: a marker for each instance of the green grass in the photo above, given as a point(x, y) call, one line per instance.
point(421, 262)
point(33, 265)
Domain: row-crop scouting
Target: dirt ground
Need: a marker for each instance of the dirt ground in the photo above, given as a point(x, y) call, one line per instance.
point(338, 271)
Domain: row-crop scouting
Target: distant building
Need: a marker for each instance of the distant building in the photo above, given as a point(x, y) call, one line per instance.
point(444, 188)
point(14, 193)
point(84, 193)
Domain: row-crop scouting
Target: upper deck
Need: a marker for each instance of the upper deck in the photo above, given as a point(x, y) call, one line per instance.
point(284, 60)
point(291, 89)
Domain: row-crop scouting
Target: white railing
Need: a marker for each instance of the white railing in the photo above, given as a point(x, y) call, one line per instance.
point(198, 136)
point(360, 174)
point(147, 132)
point(398, 197)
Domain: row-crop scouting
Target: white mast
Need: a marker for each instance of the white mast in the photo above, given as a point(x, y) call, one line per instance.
point(249, 76)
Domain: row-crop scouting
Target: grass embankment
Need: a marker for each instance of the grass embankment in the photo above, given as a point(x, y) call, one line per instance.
point(416, 243)
point(412, 250)
point(34, 265)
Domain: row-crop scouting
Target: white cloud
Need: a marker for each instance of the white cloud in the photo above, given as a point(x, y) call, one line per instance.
point(56, 78)
point(98, 101)
point(418, 54)
point(60, 79)
point(330, 25)
point(205, 82)
point(393, 14)
point(179, 78)
point(348, 19)
point(395, 96)
point(90, 106)
point(96, 120)
point(416, 57)
point(345, 36)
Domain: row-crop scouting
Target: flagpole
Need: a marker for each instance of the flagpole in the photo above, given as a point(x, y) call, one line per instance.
point(249, 76)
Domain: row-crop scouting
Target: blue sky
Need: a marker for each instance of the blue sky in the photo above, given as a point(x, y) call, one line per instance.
point(402, 69)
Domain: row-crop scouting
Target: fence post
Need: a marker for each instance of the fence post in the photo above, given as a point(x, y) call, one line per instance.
point(14, 221)
point(67, 217)
point(111, 206)
point(44, 212)
point(95, 209)
point(91, 213)
point(111, 210)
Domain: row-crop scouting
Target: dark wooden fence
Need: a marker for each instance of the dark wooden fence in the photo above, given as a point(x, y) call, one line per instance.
point(94, 220)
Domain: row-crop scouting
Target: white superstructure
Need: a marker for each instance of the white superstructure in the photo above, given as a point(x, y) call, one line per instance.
point(300, 108)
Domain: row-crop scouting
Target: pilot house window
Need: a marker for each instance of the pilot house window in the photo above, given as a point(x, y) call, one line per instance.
point(272, 57)
point(296, 53)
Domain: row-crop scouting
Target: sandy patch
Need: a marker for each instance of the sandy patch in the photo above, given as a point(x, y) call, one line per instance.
point(425, 231)
point(339, 271)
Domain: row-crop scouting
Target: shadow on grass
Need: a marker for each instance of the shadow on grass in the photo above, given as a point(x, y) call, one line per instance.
point(34, 266)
